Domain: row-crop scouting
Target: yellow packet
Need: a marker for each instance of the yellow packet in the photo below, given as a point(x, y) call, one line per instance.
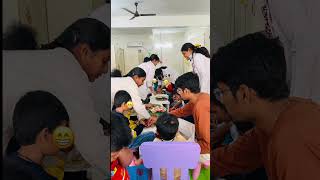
point(56, 170)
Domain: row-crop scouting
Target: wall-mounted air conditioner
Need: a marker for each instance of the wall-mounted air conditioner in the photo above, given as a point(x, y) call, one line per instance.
point(134, 44)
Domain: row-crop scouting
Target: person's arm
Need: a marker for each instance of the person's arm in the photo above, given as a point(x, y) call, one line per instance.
point(239, 157)
point(202, 124)
point(219, 132)
point(184, 111)
point(149, 78)
point(137, 103)
point(90, 140)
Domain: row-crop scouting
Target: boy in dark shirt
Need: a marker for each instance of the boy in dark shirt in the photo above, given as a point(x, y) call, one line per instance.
point(123, 103)
point(36, 115)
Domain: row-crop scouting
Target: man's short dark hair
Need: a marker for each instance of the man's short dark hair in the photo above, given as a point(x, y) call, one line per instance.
point(167, 126)
point(121, 135)
point(253, 60)
point(190, 81)
point(121, 97)
point(35, 111)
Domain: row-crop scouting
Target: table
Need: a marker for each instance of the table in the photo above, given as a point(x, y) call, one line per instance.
point(185, 127)
point(166, 103)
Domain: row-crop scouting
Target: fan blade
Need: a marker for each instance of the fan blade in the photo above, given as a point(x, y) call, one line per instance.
point(128, 10)
point(132, 17)
point(147, 14)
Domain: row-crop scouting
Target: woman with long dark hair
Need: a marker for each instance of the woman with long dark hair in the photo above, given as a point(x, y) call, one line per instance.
point(64, 67)
point(200, 60)
point(149, 67)
point(131, 83)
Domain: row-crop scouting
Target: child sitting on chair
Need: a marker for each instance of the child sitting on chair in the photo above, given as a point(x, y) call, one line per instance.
point(121, 155)
point(167, 130)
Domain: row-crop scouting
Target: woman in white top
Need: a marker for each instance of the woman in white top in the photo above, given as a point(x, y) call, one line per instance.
point(200, 60)
point(131, 83)
point(65, 67)
point(149, 67)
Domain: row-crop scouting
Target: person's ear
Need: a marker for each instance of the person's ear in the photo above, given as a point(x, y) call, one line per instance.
point(84, 50)
point(44, 135)
point(123, 105)
point(244, 94)
point(187, 91)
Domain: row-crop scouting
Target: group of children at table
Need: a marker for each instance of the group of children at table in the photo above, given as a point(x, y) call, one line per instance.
point(125, 139)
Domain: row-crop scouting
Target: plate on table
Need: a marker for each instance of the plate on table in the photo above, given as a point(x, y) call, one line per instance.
point(157, 110)
point(161, 97)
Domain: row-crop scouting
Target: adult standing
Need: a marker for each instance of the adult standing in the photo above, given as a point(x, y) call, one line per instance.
point(65, 67)
point(150, 68)
point(200, 60)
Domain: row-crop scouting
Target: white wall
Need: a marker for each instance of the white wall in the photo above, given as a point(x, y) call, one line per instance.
point(161, 21)
point(131, 54)
point(10, 13)
point(231, 19)
point(171, 56)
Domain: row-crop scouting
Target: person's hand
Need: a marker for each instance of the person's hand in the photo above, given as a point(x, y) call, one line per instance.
point(143, 122)
point(149, 105)
point(152, 120)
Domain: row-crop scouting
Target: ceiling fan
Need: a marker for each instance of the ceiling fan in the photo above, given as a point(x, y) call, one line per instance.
point(137, 14)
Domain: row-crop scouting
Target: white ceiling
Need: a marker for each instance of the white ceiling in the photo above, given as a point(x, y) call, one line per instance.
point(149, 30)
point(131, 31)
point(162, 7)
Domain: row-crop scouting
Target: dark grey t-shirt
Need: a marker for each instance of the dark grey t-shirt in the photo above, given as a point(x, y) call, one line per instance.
point(16, 168)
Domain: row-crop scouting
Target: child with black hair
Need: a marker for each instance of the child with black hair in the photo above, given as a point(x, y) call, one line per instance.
point(36, 116)
point(121, 155)
point(123, 104)
point(177, 101)
point(167, 130)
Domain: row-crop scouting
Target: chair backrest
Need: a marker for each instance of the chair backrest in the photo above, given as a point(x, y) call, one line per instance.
point(170, 155)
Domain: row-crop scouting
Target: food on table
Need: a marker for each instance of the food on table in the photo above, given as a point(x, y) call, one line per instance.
point(161, 97)
point(157, 109)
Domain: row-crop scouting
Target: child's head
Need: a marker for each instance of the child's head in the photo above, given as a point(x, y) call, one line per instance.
point(167, 127)
point(175, 95)
point(121, 137)
point(122, 100)
point(218, 111)
point(187, 85)
point(36, 115)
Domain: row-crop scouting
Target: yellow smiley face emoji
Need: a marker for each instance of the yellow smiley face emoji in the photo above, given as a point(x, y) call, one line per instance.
point(130, 104)
point(63, 137)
